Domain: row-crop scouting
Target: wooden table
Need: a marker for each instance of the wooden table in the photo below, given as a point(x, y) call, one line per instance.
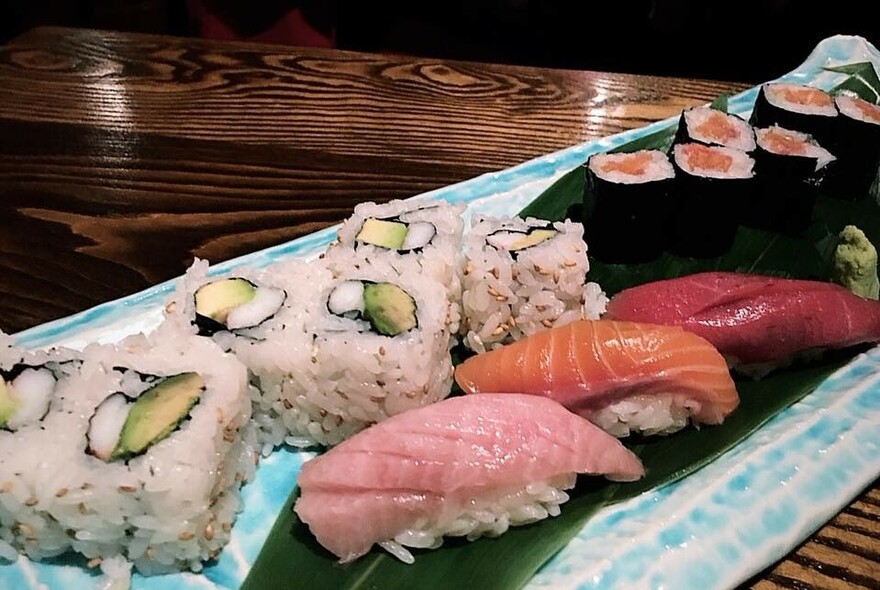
point(123, 156)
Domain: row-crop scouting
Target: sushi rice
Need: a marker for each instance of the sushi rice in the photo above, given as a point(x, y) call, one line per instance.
point(713, 127)
point(436, 253)
point(486, 516)
point(361, 377)
point(277, 351)
point(510, 293)
point(63, 497)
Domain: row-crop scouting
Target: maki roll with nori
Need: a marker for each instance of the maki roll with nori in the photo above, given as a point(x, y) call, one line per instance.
point(796, 107)
point(857, 147)
point(789, 166)
point(235, 304)
point(709, 184)
point(710, 126)
point(626, 205)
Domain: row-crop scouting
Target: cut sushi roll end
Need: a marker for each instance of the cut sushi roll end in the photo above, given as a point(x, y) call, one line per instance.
point(800, 98)
point(395, 234)
point(234, 303)
point(787, 142)
point(387, 308)
point(119, 430)
point(25, 394)
point(713, 127)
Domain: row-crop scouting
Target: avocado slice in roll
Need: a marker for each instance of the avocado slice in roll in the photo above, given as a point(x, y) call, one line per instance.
point(234, 303)
point(394, 234)
point(121, 429)
point(387, 308)
point(515, 241)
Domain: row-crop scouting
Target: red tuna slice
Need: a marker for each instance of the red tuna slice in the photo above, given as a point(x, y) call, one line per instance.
point(427, 465)
point(754, 319)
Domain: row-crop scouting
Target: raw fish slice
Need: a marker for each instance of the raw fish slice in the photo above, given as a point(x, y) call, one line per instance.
point(420, 470)
point(754, 319)
point(590, 365)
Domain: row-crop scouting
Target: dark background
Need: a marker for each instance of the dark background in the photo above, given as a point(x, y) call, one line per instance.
point(749, 41)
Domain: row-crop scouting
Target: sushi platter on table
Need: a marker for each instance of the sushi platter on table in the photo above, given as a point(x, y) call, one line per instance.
point(748, 463)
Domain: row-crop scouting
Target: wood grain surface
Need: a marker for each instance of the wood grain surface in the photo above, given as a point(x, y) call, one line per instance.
point(124, 156)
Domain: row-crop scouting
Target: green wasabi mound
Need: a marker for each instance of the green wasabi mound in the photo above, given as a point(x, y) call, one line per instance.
point(855, 263)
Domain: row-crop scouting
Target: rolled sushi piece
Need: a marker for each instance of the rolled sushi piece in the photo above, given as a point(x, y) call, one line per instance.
point(247, 302)
point(410, 235)
point(789, 166)
point(710, 182)
point(624, 377)
point(857, 147)
point(797, 107)
point(710, 126)
point(522, 276)
point(380, 345)
point(141, 457)
point(259, 315)
point(32, 385)
point(627, 195)
point(467, 466)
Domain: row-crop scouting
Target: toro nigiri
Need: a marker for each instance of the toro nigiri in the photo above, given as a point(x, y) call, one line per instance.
point(623, 376)
point(754, 320)
point(465, 466)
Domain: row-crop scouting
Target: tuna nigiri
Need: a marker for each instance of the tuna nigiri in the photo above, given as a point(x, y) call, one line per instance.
point(753, 320)
point(465, 466)
point(621, 375)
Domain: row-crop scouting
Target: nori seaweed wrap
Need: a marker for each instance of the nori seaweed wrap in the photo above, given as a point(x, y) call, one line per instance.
point(789, 166)
point(857, 147)
point(796, 107)
point(709, 184)
point(626, 205)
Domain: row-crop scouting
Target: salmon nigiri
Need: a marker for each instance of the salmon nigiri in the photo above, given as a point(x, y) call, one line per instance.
point(624, 376)
point(466, 466)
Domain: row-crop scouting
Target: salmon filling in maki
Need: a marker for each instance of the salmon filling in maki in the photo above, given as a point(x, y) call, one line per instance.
point(786, 142)
point(711, 126)
point(714, 161)
point(632, 168)
point(858, 108)
point(799, 98)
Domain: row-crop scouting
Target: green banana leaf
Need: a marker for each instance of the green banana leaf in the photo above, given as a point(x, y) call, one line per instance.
point(291, 558)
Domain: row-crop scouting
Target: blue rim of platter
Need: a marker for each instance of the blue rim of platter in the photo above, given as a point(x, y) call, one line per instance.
point(711, 530)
